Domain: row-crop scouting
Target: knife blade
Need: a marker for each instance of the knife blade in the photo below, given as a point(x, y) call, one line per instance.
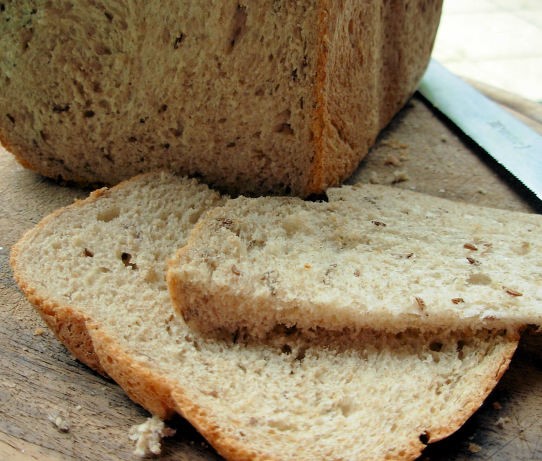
point(510, 142)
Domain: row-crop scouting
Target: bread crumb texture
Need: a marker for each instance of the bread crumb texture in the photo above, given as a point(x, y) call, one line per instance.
point(372, 256)
point(252, 96)
point(148, 436)
point(284, 398)
point(61, 422)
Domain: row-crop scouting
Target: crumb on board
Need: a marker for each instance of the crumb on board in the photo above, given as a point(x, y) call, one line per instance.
point(501, 422)
point(39, 331)
point(394, 144)
point(496, 405)
point(399, 176)
point(374, 178)
point(392, 159)
point(474, 448)
point(149, 435)
point(60, 422)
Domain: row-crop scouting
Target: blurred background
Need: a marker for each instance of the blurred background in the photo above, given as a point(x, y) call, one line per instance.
point(496, 42)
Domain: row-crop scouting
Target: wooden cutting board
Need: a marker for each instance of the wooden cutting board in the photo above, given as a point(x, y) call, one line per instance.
point(39, 379)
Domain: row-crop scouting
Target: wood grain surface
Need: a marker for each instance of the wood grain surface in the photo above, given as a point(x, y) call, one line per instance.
point(39, 379)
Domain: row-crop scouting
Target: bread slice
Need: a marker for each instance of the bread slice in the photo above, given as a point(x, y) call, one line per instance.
point(373, 257)
point(253, 96)
point(96, 272)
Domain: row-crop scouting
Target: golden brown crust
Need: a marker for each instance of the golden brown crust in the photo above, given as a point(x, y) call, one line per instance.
point(142, 385)
point(316, 177)
point(201, 419)
point(67, 323)
point(484, 390)
point(13, 150)
point(350, 112)
point(23, 160)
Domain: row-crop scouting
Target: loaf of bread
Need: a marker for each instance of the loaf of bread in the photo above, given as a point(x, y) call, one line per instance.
point(96, 272)
point(373, 257)
point(263, 96)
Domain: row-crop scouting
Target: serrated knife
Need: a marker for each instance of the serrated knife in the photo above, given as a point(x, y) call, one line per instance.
point(510, 142)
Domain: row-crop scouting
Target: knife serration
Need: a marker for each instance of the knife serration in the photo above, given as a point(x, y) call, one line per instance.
point(509, 141)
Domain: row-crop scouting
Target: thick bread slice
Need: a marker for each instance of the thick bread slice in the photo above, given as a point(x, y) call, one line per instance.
point(374, 256)
point(99, 266)
point(254, 96)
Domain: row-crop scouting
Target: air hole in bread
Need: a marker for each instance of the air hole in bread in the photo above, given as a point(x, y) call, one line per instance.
point(284, 128)
point(283, 125)
point(300, 354)
point(346, 407)
point(102, 49)
point(126, 259)
point(59, 108)
point(479, 279)
point(460, 346)
point(193, 218)
point(351, 28)
point(424, 437)
point(151, 276)
point(179, 40)
point(239, 22)
point(178, 131)
point(435, 346)
point(108, 214)
point(318, 198)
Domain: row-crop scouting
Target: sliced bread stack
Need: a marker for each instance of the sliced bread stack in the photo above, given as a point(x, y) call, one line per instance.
point(96, 271)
